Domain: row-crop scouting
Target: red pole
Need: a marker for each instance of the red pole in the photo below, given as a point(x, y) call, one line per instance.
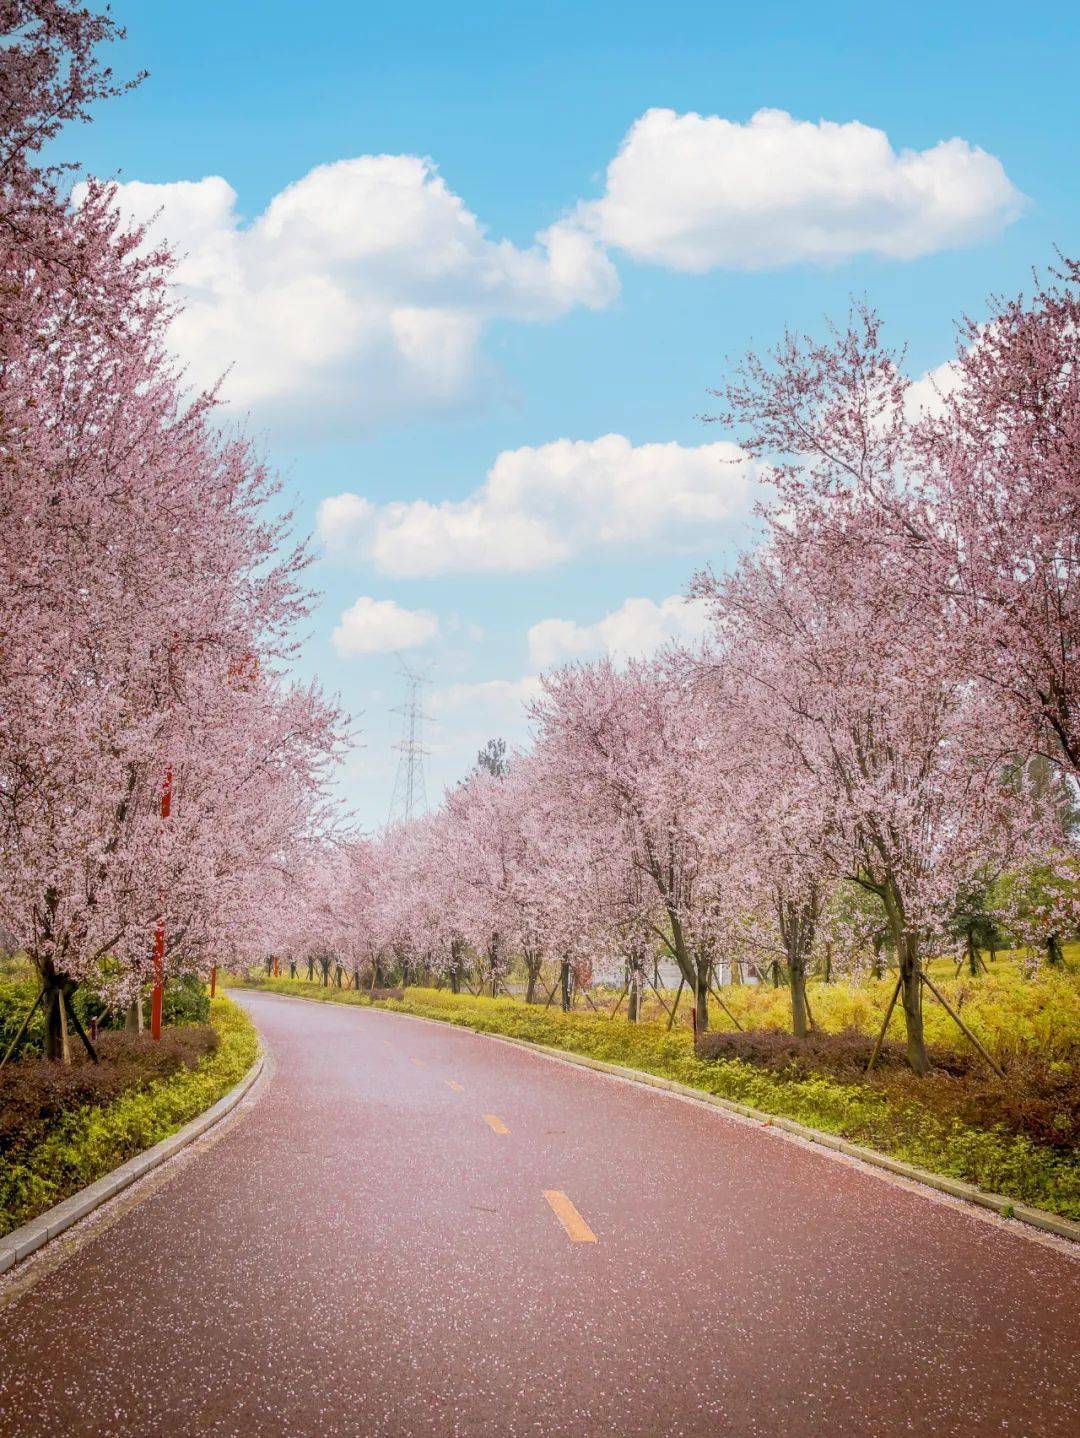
point(157, 997)
point(213, 981)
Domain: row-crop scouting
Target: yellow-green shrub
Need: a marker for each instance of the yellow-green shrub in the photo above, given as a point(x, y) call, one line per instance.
point(93, 1141)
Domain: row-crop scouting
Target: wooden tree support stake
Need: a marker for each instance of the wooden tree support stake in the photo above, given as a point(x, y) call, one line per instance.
point(588, 1000)
point(89, 1047)
point(716, 995)
point(13, 1047)
point(618, 1006)
point(675, 1006)
point(659, 1000)
point(960, 1023)
point(885, 1024)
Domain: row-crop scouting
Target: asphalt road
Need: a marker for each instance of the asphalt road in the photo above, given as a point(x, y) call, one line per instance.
point(418, 1231)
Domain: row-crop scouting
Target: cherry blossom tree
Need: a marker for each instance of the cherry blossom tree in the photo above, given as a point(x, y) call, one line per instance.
point(633, 753)
point(147, 601)
point(974, 475)
point(900, 757)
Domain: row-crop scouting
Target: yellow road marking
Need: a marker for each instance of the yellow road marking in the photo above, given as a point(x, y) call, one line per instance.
point(495, 1123)
point(577, 1230)
point(451, 1083)
point(418, 1062)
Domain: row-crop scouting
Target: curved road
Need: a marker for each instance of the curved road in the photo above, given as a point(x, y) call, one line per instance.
point(396, 1239)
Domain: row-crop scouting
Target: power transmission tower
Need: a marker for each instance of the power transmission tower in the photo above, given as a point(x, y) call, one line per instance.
point(410, 789)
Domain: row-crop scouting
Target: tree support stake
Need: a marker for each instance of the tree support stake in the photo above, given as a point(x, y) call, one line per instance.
point(17, 1040)
point(885, 1024)
point(960, 1023)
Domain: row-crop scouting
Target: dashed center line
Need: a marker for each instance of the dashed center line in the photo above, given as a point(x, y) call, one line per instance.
point(495, 1123)
point(577, 1230)
point(453, 1083)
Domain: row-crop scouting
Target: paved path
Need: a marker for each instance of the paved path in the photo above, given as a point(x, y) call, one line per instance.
point(370, 1252)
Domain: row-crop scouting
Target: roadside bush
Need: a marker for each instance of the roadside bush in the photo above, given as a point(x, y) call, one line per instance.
point(845, 1054)
point(84, 1143)
point(1012, 1015)
point(185, 1001)
point(35, 1093)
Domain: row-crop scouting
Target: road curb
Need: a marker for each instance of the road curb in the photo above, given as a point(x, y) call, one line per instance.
point(1039, 1218)
point(21, 1242)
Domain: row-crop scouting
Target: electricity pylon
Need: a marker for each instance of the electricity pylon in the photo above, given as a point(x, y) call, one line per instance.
point(410, 789)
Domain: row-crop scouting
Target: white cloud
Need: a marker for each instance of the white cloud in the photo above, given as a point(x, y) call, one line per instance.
point(638, 627)
point(545, 504)
point(927, 395)
point(363, 288)
point(362, 291)
point(494, 699)
point(694, 192)
point(466, 716)
point(377, 626)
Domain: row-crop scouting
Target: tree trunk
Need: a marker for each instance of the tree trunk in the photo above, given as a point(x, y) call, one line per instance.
point(57, 1046)
point(972, 952)
point(455, 979)
point(532, 968)
point(493, 953)
point(1055, 956)
point(633, 1007)
point(826, 965)
point(911, 995)
point(564, 985)
point(701, 998)
point(877, 967)
point(800, 1025)
point(311, 971)
point(690, 974)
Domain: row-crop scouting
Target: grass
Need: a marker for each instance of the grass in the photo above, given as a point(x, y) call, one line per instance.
point(1017, 1139)
point(87, 1127)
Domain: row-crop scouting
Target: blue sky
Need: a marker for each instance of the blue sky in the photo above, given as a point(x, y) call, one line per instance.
point(456, 336)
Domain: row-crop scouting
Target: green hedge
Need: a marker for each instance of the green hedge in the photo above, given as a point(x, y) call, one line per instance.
point(93, 1141)
point(993, 1159)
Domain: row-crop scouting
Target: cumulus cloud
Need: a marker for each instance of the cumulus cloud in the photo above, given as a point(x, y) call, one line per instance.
point(638, 627)
point(491, 699)
point(362, 289)
point(545, 504)
point(694, 192)
point(928, 394)
point(377, 626)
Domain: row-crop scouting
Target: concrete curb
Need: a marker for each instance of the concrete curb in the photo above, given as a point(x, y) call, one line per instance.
point(956, 1188)
point(21, 1242)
